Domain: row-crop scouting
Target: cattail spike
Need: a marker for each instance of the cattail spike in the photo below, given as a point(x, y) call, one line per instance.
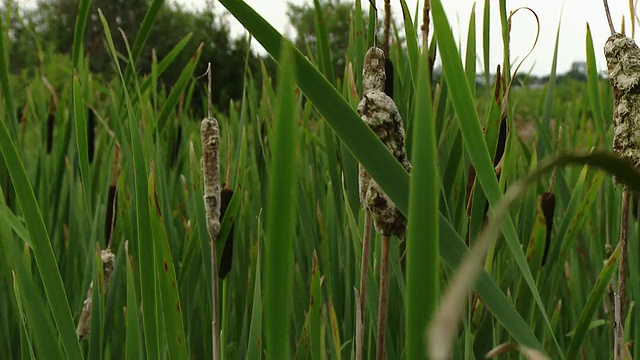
point(211, 173)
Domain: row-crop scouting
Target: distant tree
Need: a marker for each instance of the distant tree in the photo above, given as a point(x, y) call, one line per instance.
point(336, 15)
point(53, 22)
point(337, 19)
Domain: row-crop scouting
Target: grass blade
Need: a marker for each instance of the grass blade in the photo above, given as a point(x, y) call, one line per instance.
point(133, 326)
point(281, 216)
point(595, 300)
point(423, 265)
point(145, 244)
point(169, 299)
point(474, 141)
point(41, 245)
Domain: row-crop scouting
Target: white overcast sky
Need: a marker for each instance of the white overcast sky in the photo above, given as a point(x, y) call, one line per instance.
point(573, 15)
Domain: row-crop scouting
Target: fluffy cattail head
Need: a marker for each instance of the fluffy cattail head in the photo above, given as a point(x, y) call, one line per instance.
point(623, 65)
point(378, 110)
point(373, 74)
point(211, 172)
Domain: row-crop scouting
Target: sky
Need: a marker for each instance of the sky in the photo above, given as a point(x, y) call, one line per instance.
point(572, 15)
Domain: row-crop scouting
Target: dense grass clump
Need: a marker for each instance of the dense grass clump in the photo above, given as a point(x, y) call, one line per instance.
point(509, 246)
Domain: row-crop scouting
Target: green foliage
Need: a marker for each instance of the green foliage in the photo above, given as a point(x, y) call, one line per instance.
point(290, 153)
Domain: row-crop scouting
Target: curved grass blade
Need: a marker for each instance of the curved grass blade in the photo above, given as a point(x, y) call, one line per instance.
point(411, 41)
point(423, 265)
point(169, 298)
point(97, 307)
point(324, 51)
point(143, 33)
point(5, 85)
point(78, 32)
point(255, 330)
point(133, 326)
point(593, 302)
point(593, 80)
point(144, 243)
point(178, 88)
point(41, 245)
point(477, 148)
point(443, 328)
point(342, 118)
point(26, 344)
point(30, 300)
point(281, 215)
point(162, 66)
point(370, 152)
point(80, 127)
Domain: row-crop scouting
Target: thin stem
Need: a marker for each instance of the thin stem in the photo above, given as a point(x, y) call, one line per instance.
point(363, 286)
point(387, 26)
point(209, 93)
point(384, 296)
point(425, 24)
point(621, 298)
point(608, 13)
point(215, 326)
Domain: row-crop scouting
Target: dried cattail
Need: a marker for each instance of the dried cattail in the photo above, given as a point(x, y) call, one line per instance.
point(51, 119)
point(211, 174)
point(210, 136)
point(623, 64)
point(84, 324)
point(548, 205)
point(112, 197)
point(91, 134)
point(380, 113)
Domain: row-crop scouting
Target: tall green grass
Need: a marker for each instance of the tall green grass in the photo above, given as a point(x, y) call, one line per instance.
point(297, 223)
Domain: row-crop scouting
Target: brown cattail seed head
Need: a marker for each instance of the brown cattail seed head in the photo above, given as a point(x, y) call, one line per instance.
point(211, 172)
point(623, 64)
point(548, 206)
point(380, 113)
point(84, 324)
point(373, 74)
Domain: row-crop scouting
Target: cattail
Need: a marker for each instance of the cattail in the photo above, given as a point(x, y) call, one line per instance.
point(623, 66)
point(51, 119)
point(548, 205)
point(380, 112)
point(211, 174)
point(84, 324)
point(112, 197)
point(210, 136)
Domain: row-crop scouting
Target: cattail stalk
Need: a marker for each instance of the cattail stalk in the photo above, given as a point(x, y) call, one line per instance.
point(383, 297)
point(621, 297)
point(366, 240)
point(623, 65)
point(387, 27)
point(380, 113)
point(210, 135)
point(112, 197)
